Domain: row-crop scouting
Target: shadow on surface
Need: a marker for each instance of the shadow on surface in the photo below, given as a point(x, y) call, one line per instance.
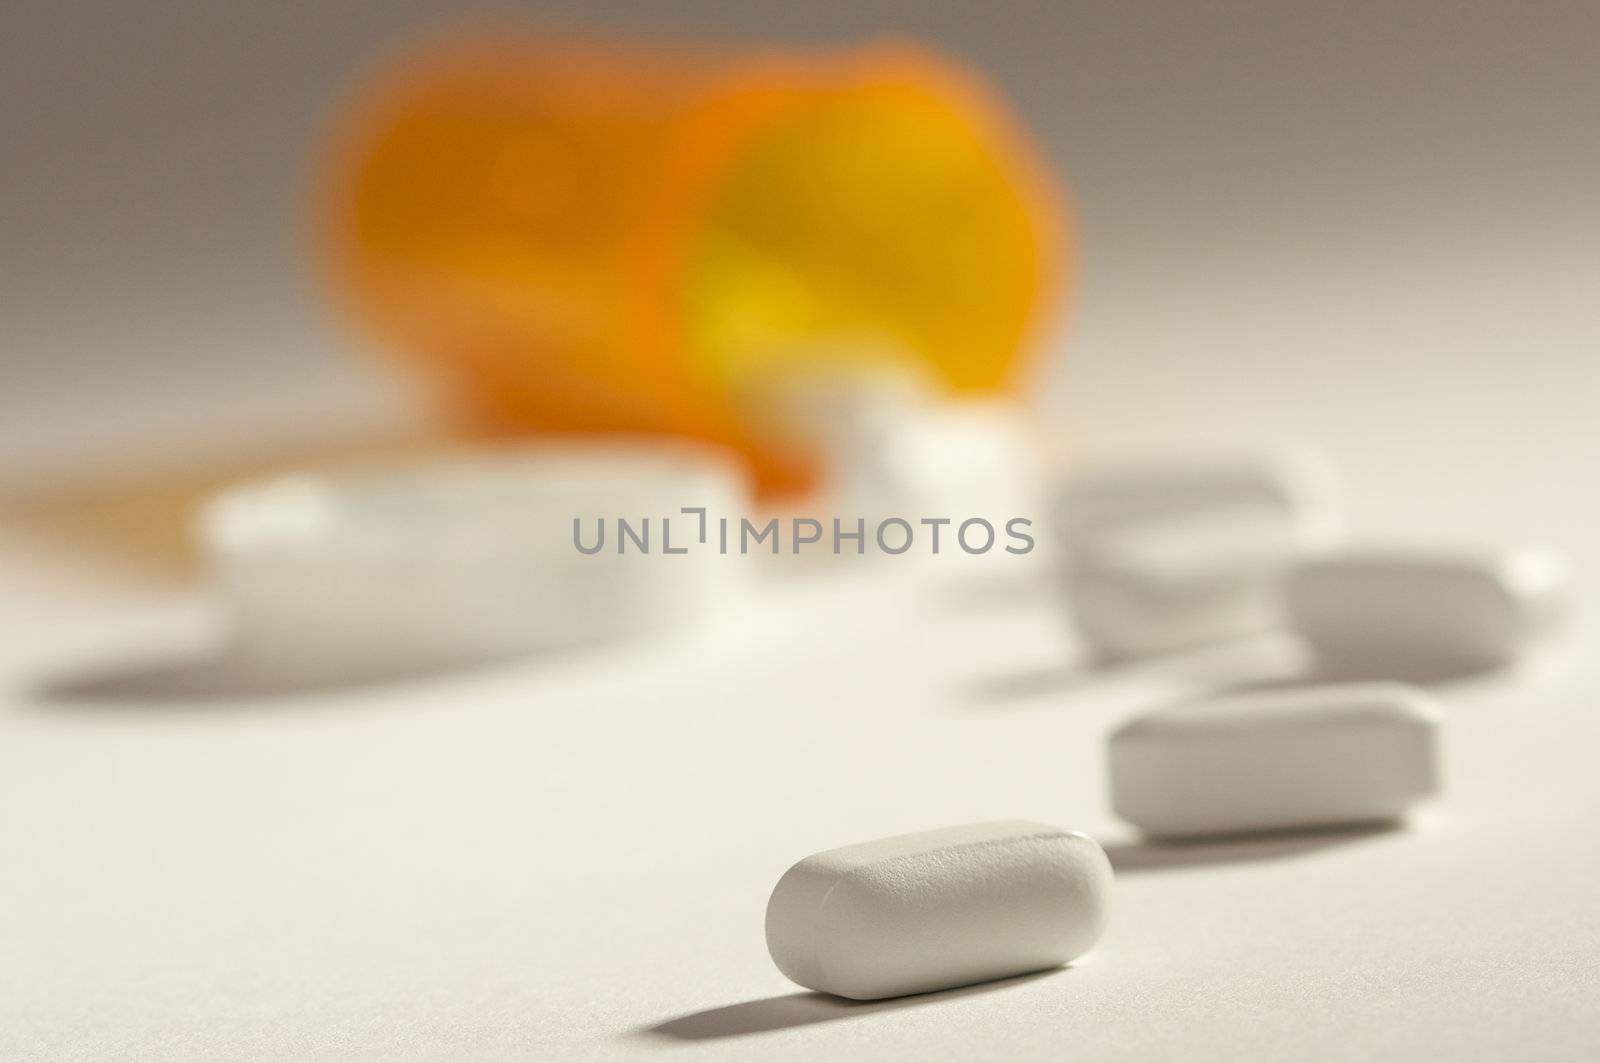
point(804, 1009)
point(1258, 660)
point(1264, 663)
point(218, 680)
point(1416, 669)
point(1026, 684)
point(1138, 856)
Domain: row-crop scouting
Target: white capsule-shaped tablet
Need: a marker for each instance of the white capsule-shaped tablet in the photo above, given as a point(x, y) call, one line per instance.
point(944, 908)
point(1277, 759)
point(1180, 581)
point(1475, 608)
point(1290, 481)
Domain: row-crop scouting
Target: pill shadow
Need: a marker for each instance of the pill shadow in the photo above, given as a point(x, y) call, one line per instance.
point(1236, 664)
point(806, 1009)
point(1266, 663)
point(219, 681)
point(1434, 672)
point(1135, 857)
point(1026, 684)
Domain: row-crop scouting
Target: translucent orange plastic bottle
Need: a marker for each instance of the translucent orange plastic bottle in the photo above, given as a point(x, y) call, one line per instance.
point(582, 237)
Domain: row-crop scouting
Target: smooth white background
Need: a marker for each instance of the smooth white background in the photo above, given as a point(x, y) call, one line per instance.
point(1369, 229)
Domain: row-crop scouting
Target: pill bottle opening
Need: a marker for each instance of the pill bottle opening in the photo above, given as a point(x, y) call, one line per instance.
point(877, 197)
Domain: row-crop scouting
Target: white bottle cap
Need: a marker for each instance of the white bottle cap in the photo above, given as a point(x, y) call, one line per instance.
point(469, 557)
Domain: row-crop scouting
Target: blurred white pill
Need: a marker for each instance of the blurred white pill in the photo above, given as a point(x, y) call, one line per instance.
point(958, 458)
point(894, 446)
point(1291, 481)
point(832, 397)
point(1180, 581)
point(1277, 759)
point(1476, 608)
point(940, 909)
point(470, 557)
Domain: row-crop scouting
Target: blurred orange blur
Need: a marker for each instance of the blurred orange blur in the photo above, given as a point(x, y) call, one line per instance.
point(573, 236)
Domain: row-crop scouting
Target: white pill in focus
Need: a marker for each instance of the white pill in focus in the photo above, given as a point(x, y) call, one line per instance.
point(1414, 606)
point(944, 908)
point(1277, 759)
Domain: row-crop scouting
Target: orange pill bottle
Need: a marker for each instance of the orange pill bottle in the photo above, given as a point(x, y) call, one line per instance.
point(572, 236)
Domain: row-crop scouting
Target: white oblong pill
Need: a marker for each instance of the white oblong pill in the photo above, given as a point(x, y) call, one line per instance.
point(1475, 608)
point(944, 908)
point(1175, 582)
point(1291, 481)
point(1277, 759)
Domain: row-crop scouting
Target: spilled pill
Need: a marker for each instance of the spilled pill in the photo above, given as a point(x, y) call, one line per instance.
point(1277, 759)
point(834, 398)
point(967, 457)
point(940, 909)
point(1290, 481)
point(1180, 581)
point(891, 444)
point(1475, 608)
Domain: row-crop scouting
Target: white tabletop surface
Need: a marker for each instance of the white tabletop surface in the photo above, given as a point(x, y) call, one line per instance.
point(570, 858)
